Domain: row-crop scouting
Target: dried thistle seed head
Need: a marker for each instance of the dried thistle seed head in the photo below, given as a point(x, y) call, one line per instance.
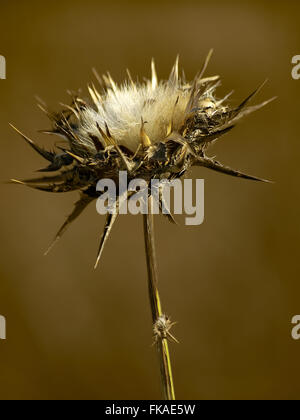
point(155, 129)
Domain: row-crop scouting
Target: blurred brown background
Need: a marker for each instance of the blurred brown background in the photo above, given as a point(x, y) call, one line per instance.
point(232, 284)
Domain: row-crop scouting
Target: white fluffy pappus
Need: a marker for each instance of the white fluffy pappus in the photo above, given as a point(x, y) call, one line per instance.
point(124, 108)
point(152, 106)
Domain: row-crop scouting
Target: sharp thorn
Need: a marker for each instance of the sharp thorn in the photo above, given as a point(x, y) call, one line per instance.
point(110, 220)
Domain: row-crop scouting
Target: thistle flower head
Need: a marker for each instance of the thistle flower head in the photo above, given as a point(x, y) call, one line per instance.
point(155, 129)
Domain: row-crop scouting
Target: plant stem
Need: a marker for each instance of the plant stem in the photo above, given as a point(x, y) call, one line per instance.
point(162, 342)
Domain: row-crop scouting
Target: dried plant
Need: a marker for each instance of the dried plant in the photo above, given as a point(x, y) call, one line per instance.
point(156, 129)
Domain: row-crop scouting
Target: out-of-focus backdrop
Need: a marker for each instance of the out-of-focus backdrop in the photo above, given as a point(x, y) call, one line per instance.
point(232, 283)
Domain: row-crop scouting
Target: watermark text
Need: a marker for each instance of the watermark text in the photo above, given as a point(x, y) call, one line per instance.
point(2, 67)
point(296, 68)
point(132, 197)
point(2, 328)
point(296, 328)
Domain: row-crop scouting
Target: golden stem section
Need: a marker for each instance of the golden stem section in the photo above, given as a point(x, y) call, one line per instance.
point(156, 310)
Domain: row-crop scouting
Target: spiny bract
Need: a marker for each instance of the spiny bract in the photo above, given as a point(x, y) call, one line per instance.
point(155, 129)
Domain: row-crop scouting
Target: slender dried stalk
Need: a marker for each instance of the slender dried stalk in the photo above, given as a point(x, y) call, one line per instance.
point(161, 341)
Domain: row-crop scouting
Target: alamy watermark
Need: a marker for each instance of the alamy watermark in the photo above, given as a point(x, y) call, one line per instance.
point(296, 328)
point(296, 68)
point(2, 328)
point(2, 67)
point(132, 197)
